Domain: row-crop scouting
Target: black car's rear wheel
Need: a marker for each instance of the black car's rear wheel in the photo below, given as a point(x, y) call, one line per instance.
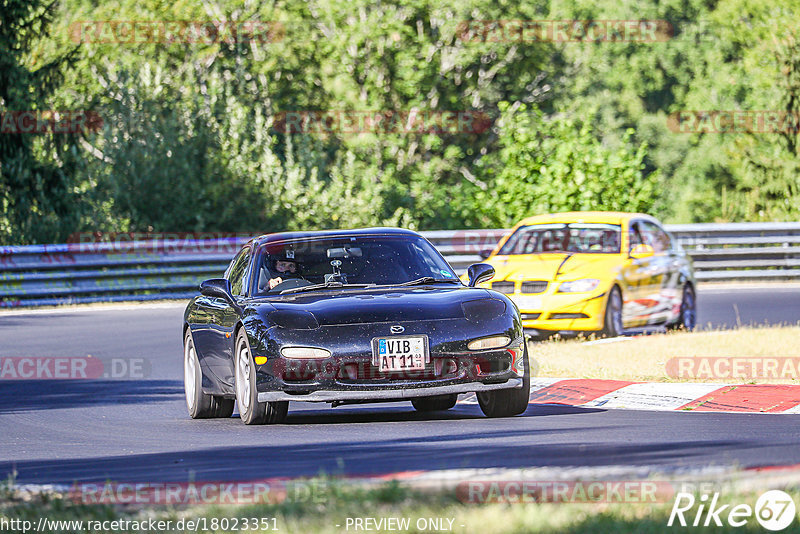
point(200, 405)
point(508, 402)
point(251, 411)
point(435, 403)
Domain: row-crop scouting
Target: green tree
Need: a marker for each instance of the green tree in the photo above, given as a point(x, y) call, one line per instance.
point(549, 164)
point(37, 195)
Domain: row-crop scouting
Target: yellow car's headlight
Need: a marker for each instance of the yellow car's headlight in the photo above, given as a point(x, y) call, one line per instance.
point(579, 286)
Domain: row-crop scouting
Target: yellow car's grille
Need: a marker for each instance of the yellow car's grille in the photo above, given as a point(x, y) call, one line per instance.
point(568, 316)
point(534, 286)
point(503, 287)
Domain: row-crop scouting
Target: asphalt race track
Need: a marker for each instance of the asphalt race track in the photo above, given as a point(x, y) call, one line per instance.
point(136, 429)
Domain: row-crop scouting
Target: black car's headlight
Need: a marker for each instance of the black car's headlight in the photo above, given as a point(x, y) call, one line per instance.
point(491, 342)
point(305, 353)
point(481, 309)
point(295, 319)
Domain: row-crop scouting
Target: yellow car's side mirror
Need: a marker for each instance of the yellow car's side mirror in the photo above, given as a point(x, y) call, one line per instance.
point(642, 251)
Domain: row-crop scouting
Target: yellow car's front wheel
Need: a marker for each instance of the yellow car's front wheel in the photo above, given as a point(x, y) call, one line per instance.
point(612, 323)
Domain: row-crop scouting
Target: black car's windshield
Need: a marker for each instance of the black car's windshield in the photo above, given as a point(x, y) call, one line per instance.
point(589, 238)
point(335, 262)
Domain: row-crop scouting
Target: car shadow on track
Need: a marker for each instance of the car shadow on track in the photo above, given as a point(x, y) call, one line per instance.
point(400, 413)
point(31, 395)
point(498, 449)
point(35, 395)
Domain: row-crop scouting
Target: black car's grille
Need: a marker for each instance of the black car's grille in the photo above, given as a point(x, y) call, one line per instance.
point(365, 371)
point(534, 286)
point(503, 287)
point(439, 368)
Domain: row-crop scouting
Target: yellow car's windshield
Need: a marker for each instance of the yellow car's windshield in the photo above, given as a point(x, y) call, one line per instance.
point(588, 238)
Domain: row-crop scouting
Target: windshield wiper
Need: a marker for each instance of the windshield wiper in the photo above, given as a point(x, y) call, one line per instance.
point(333, 284)
point(325, 285)
point(429, 280)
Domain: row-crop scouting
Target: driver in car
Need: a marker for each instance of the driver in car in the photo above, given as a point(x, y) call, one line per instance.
point(286, 268)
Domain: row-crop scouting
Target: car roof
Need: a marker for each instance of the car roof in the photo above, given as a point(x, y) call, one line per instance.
point(356, 232)
point(585, 216)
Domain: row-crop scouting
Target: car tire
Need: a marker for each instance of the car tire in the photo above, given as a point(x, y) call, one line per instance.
point(687, 318)
point(251, 411)
point(507, 402)
point(200, 405)
point(437, 403)
point(612, 319)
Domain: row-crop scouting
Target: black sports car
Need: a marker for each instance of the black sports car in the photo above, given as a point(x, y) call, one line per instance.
point(347, 317)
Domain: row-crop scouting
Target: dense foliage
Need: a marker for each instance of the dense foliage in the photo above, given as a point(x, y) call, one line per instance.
point(193, 138)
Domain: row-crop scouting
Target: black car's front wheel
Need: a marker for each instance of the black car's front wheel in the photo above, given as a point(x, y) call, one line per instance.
point(200, 405)
point(251, 411)
point(508, 402)
point(435, 403)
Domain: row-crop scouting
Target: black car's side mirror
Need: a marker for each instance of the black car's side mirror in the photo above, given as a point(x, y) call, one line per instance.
point(220, 288)
point(485, 253)
point(479, 273)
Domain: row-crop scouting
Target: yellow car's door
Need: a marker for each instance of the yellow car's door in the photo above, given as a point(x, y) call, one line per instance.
point(666, 274)
point(639, 273)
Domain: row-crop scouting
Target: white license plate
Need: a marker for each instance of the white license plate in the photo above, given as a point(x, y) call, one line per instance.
point(528, 303)
point(400, 353)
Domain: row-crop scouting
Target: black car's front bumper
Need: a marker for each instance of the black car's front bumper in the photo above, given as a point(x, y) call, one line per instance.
point(353, 377)
point(386, 393)
point(351, 373)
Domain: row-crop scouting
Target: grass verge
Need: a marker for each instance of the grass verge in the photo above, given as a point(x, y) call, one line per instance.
point(327, 511)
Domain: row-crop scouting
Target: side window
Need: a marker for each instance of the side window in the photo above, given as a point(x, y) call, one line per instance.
point(237, 270)
point(635, 235)
point(655, 237)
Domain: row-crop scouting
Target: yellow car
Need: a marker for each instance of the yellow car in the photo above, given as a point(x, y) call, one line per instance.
point(600, 272)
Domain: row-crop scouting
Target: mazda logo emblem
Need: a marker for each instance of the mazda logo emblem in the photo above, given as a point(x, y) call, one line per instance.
point(397, 329)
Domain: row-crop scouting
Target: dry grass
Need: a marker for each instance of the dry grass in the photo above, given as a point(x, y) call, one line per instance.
point(328, 511)
point(644, 358)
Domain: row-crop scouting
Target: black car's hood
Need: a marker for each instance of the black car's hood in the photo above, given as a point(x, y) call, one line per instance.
point(351, 306)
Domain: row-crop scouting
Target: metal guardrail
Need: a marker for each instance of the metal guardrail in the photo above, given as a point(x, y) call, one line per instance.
point(39, 275)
